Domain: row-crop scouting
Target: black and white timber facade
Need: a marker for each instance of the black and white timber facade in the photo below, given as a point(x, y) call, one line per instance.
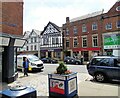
point(51, 41)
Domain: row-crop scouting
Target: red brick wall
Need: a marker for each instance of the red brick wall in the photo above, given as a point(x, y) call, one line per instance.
point(12, 17)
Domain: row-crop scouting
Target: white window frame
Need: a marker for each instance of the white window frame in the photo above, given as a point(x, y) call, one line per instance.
point(86, 41)
point(117, 24)
point(93, 44)
point(108, 26)
point(74, 42)
point(75, 31)
point(84, 28)
point(94, 26)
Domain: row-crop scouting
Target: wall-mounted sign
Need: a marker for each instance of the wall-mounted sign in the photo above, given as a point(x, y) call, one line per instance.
point(111, 41)
point(19, 42)
point(4, 41)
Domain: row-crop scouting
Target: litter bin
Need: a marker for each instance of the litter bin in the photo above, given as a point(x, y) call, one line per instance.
point(19, 92)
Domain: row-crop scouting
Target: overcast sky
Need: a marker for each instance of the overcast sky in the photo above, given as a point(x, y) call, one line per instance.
point(37, 13)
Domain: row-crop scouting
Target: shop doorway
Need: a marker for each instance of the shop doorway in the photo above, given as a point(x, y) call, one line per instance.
point(85, 55)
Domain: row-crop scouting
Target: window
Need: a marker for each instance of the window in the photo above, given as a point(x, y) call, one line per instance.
point(118, 24)
point(94, 26)
point(84, 28)
point(46, 40)
point(67, 31)
point(57, 40)
point(105, 62)
point(75, 31)
point(27, 48)
point(35, 47)
point(108, 26)
point(95, 61)
point(118, 8)
point(35, 40)
point(75, 42)
point(31, 40)
point(95, 41)
point(53, 40)
point(31, 47)
point(84, 42)
point(67, 43)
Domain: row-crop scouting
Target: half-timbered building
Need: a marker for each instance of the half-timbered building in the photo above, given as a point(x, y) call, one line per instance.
point(51, 41)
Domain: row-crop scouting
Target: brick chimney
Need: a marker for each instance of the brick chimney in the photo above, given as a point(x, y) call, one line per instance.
point(67, 20)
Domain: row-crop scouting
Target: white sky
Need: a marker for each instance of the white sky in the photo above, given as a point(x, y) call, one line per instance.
point(37, 13)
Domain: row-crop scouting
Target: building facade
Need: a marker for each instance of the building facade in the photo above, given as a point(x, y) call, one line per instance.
point(86, 35)
point(51, 41)
point(11, 28)
point(111, 30)
point(32, 45)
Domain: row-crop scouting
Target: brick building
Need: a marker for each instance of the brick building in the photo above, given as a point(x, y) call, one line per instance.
point(11, 30)
point(84, 35)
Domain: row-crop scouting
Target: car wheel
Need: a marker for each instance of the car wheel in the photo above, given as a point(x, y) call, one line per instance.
point(100, 77)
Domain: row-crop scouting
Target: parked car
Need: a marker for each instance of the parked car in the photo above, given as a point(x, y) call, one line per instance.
point(34, 62)
point(71, 60)
point(104, 68)
point(49, 60)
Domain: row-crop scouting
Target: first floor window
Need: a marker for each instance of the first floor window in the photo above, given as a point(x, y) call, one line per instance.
point(118, 24)
point(27, 48)
point(67, 43)
point(95, 41)
point(108, 26)
point(75, 42)
point(84, 42)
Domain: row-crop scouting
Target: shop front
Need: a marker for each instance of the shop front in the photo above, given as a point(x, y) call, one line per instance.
point(87, 53)
point(111, 42)
point(8, 57)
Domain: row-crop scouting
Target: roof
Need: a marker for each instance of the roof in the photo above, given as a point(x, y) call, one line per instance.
point(36, 31)
point(26, 34)
point(87, 16)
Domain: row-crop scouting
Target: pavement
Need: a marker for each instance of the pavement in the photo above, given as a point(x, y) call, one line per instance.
point(86, 87)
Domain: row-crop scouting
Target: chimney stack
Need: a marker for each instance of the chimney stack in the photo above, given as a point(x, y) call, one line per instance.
point(67, 19)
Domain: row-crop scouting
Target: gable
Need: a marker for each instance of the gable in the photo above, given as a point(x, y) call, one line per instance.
point(33, 34)
point(51, 29)
point(114, 9)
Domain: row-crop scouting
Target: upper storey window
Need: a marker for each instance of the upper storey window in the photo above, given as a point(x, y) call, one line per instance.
point(108, 26)
point(94, 26)
point(67, 31)
point(84, 28)
point(118, 8)
point(118, 24)
point(75, 30)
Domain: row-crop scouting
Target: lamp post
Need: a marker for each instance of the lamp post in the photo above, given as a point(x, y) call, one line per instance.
point(39, 46)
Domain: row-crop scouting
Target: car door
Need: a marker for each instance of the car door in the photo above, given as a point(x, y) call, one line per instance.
point(105, 66)
point(116, 68)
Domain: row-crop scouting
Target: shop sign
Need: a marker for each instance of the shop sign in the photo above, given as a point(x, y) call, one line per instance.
point(19, 42)
point(57, 86)
point(112, 41)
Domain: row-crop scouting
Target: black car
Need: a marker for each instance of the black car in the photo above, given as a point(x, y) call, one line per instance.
point(71, 60)
point(104, 68)
point(49, 60)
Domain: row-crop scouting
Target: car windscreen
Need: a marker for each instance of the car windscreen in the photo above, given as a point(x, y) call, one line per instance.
point(33, 58)
point(96, 60)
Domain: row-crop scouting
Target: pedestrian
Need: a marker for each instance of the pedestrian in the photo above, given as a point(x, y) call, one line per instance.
point(25, 66)
point(82, 58)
